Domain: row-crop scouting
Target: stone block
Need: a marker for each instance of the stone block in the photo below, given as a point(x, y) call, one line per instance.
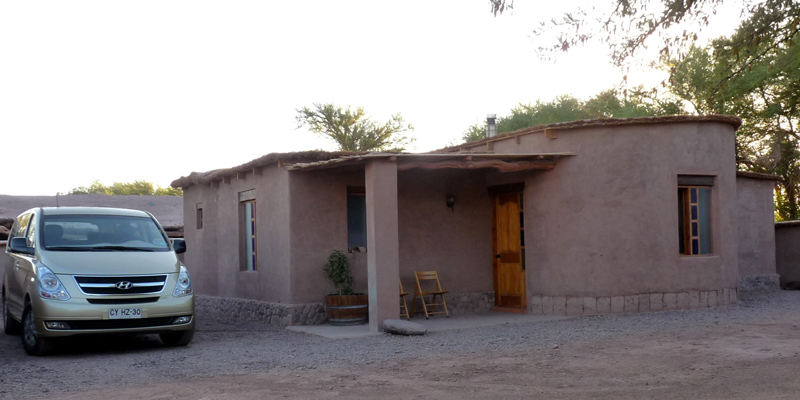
point(574, 306)
point(536, 305)
point(726, 293)
point(683, 301)
point(712, 298)
point(734, 296)
point(403, 327)
point(656, 301)
point(694, 299)
point(618, 304)
point(704, 299)
point(547, 305)
point(559, 305)
point(589, 305)
point(644, 303)
point(604, 305)
point(722, 298)
point(632, 304)
point(670, 301)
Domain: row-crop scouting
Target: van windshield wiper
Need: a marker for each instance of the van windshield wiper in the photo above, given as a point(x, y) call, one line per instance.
point(68, 248)
point(120, 248)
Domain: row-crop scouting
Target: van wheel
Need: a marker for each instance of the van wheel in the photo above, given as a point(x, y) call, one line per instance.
point(33, 344)
point(180, 338)
point(10, 325)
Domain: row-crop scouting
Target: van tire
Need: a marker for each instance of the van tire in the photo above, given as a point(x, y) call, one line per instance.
point(33, 344)
point(179, 338)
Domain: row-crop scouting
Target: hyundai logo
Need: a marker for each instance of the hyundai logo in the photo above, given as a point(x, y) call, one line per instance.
point(123, 285)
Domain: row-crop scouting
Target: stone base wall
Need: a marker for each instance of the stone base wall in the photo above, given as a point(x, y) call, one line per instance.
point(313, 314)
point(577, 306)
point(760, 282)
point(467, 303)
point(271, 313)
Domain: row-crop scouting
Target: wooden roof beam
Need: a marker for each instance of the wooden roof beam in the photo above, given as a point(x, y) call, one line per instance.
point(502, 166)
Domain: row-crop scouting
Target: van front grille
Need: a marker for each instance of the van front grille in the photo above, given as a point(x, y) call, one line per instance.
point(135, 300)
point(138, 284)
point(121, 323)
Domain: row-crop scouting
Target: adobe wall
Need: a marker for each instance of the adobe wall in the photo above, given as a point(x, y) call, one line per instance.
point(456, 243)
point(213, 252)
point(604, 223)
point(756, 234)
point(787, 250)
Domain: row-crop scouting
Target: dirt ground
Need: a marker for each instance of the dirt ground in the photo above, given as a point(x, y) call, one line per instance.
point(748, 360)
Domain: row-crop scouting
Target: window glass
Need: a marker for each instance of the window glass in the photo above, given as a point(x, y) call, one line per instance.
point(249, 235)
point(704, 233)
point(31, 236)
point(356, 219)
point(19, 229)
point(102, 233)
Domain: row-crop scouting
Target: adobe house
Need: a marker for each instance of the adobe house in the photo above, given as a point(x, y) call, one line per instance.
point(578, 218)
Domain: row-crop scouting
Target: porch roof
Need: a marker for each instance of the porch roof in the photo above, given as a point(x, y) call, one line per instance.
point(510, 162)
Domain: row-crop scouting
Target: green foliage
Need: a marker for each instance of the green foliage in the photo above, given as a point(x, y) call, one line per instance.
point(761, 84)
point(607, 104)
point(141, 188)
point(352, 130)
point(628, 26)
point(338, 271)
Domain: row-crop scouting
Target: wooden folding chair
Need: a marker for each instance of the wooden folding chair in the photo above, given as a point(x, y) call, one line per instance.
point(429, 306)
point(403, 305)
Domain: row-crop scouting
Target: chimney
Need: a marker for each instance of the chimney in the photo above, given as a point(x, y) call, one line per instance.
point(491, 125)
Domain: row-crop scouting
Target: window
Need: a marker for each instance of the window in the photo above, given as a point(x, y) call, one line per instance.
point(20, 227)
point(694, 214)
point(247, 232)
point(199, 216)
point(356, 219)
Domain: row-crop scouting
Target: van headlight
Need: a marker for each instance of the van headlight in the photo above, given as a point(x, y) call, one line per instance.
point(184, 285)
point(49, 285)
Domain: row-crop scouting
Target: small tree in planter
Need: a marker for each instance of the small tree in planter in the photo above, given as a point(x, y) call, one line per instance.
point(344, 307)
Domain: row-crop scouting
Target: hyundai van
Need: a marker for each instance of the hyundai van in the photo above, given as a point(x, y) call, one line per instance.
point(86, 271)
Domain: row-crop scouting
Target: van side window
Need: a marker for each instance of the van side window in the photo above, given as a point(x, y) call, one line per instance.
point(31, 236)
point(20, 227)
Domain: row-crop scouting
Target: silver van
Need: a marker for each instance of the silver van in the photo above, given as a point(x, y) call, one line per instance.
point(86, 270)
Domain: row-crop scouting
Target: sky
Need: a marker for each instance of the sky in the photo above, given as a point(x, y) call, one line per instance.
point(119, 91)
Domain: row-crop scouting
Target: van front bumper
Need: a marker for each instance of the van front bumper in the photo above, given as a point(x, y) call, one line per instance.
point(77, 316)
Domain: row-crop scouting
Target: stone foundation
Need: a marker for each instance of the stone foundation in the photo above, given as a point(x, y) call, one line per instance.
point(645, 302)
point(313, 314)
point(466, 303)
point(760, 282)
point(271, 313)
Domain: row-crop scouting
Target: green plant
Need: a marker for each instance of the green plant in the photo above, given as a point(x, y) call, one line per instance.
point(338, 270)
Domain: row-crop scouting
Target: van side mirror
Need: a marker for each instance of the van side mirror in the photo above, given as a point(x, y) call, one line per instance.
point(20, 245)
point(179, 245)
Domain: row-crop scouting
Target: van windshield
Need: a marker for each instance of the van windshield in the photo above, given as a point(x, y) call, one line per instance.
point(101, 233)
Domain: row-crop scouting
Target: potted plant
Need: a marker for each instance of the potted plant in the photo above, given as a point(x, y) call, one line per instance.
point(344, 307)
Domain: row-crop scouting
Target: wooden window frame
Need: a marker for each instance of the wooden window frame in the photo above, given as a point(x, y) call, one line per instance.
point(691, 224)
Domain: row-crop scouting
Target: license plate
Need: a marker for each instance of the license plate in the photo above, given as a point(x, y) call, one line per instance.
point(124, 313)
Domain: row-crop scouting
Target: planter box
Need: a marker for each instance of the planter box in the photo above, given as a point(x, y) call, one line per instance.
point(347, 309)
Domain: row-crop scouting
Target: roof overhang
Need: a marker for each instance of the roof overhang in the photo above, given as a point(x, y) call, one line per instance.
point(511, 162)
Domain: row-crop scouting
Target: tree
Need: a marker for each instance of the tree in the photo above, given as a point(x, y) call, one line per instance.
point(607, 104)
point(627, 26)
point(352, 130)
point(761, 84)
point(141, 188)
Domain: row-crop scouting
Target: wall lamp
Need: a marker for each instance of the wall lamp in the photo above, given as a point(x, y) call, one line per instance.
point(451, 201)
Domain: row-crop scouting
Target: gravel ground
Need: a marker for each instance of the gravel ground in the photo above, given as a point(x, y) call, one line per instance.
point(229, 348)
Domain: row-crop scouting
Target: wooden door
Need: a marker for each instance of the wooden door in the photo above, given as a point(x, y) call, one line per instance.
point(509, 265)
